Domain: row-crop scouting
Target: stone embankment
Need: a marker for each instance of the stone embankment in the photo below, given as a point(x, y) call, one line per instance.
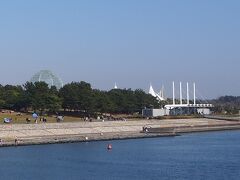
point(26, 134)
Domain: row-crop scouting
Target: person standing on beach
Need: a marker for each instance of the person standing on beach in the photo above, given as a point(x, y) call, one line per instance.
point(16, 141)
point(35, 117)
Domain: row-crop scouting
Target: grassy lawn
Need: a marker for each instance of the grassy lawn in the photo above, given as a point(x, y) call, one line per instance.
point(16, 119)
point(21, 119)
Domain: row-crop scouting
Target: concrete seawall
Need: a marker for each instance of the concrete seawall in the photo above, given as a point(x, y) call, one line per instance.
point(29, 134)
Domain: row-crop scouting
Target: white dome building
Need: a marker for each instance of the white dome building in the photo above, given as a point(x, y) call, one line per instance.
point(47, 77)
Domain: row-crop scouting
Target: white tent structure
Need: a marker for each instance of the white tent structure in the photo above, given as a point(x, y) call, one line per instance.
point(115, 86)
point(156, 95)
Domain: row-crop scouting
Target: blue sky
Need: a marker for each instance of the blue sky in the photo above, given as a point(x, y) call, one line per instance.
point(132, 42)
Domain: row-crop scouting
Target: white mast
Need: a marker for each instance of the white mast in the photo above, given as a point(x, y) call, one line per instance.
point(39, 78)
point(173, 93)
point(163, 92)
point(180, 92)
point(52, 81)
point(187, 94)
point(194, 93)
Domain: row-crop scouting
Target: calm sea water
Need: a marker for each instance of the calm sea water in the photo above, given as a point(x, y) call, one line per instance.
point(214, 155)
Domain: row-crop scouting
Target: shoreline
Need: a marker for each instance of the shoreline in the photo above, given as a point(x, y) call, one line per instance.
point(24, 135)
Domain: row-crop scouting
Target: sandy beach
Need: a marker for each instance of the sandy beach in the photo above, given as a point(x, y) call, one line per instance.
point(29, 134)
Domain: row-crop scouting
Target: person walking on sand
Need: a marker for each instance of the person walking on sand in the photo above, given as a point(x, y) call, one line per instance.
point(16, 141)
point(28, 120)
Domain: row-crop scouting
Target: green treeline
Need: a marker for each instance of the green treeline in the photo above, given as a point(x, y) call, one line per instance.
point(79, 96)
point(76, 96)
point(227, 104)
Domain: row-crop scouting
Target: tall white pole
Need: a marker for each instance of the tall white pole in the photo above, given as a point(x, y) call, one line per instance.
point(187, 94)
point(173, 93)
point(180, 92)
point(163, 92)
point(194, 93)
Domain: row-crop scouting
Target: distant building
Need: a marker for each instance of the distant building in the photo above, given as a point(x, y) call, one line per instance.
point(148, 112)
point(187, 108)
point(204, 111)
point(189, 111)
point(47, 77)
